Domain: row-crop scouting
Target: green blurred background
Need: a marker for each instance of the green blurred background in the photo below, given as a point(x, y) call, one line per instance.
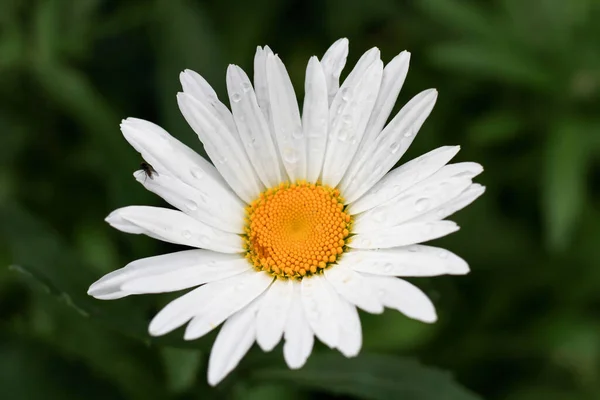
point(519, 91)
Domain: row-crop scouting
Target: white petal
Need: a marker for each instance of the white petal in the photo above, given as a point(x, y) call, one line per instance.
point(315, 118)
point(260, 81)
point(168, 156)
point(272, 314)
point(286, 119)
point(403, 235)
point(174, 227)
point(222, 146)
point(416, 201)
point(393, 78)
point(415, 260)
point(350, 340)
point(381, 154)
point(353, 287)
point(243, 288)
point(333, 63)
point(403, 177)
point(349, 114)
point(233, 342)
point(221, 212)
point(464, 199)
point(184, 278)
point(320, 304)
point(196, 86)
point(184, 308)
point(111, 283)
point(252, 127)
point(299, 338)
point(405, 297)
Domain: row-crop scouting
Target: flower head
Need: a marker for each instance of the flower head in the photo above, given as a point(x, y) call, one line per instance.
point(297, 222)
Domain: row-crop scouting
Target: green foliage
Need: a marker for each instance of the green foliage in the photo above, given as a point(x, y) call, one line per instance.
point(519, 85)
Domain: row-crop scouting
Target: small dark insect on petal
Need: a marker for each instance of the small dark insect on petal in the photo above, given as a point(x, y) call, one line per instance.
point(148, 170)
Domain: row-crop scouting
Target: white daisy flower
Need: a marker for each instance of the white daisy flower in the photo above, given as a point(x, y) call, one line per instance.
point(298, 222)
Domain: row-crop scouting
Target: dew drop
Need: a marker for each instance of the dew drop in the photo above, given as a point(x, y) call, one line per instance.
point(366, 242)
point(297, 133)
point(388, 268)
point(196, 173)
point(290, 156)
point(221, 159)
point(394, 147)
point(252, 141)
point(422, 204)
point(346, 93)
point(347, 119)
point(246, 86)
point(440, 213)
point(443, 254)
point(186, 234)
point(191, 205)
point(236, 97)
point(408, 133)
point(343, 135)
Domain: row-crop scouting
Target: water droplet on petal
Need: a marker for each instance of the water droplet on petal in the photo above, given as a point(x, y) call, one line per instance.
point(422, 204)
point(290, 155)
point(346, 93)
point(388, 268)
point(191, 205)
point(443, 254)
point(366, 243)
point(246, 86)
point(197, 173)
point(297, 133)
point(186, 234)
point(440, 213)
point(236, 97)
point(394, 147)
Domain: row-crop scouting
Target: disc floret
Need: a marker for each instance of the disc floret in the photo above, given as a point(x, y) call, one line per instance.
point(296, 230)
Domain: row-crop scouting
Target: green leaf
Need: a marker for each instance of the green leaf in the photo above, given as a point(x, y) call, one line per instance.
point(495, 128)
point(370, 376)
point(182, 366)
point(498, 63)
point(564, 190)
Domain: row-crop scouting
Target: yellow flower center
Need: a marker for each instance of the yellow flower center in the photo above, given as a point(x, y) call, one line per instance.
point(296, 230)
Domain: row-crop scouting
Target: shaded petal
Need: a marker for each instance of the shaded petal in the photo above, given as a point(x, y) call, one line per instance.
point(299, 338)
point(185, 278)
point(403, 177)
point(195, 85)
point(243, 288)
point(349, 114)
point(260, 82)
point(184, 308)
point(174, 227)
point(253, 128)
point(403, 235)
point(350, 340)
point(111, 283)
point(333, 63)
point(168, 156)
point(416, 201)
point(320, 304)
point(272, 314)
point(392, 81)
point(381, 154)
point(315, 118)
point(353, 287)
point(285, 115)
point(232, 343)
point(415, 260)
point(222, 146)
point(464, 199)
point(225, 213)
point(405, 297)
